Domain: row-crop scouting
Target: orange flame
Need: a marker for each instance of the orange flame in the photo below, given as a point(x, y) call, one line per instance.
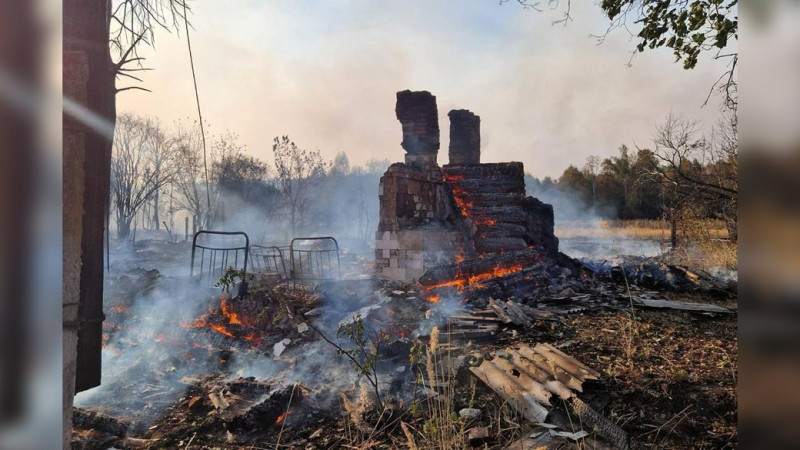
point(252, 338)
point(232, 317)
point(221, 329)
point(199, 323)
point(282, 417)
point(435, 298)
point(477, 280)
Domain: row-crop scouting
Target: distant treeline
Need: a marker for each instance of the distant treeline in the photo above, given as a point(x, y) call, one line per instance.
point(630, 186)
point(158, 173)
point(685, 178)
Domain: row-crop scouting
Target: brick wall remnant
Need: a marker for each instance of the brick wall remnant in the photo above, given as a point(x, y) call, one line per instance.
point(465, 137)
point(419, 116)
point(431, 215)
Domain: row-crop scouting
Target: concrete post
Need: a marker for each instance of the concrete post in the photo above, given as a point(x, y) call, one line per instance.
point(76, 74)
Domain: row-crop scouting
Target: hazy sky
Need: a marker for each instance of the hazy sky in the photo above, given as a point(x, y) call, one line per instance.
point(326, 74)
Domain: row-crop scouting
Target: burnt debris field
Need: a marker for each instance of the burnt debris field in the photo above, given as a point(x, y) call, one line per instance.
point(460, 325)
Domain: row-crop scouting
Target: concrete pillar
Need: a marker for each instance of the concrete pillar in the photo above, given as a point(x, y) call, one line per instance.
point(419, 116)
point(465, 137)
point(76, 74)
point(85, 46)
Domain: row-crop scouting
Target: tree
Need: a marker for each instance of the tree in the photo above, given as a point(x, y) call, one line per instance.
point(377, 166)
point(647, 193)
point(189, 181)
point(712, 183)
point(616, 180)
point(298, 173)
point(574, 183)
point(688, 27)
point(143, 160)
point(88, 29)
point(341, 164)
point(590, 170)
point(234, 171)
point(241, 181)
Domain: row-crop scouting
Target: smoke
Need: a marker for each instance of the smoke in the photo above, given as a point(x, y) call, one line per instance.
point(583, 231)
point(148, 351)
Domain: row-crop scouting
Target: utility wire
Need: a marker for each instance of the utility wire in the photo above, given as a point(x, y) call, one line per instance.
point(199, 114)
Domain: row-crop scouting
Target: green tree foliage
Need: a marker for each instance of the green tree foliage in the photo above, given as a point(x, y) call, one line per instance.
point(687, 27)
point(685, 171)
point(575, 182)
point(235, 172)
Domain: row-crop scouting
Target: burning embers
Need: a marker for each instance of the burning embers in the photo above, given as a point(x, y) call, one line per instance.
point(487, 273)
point(227, 322)
point(464, 202)
point(463, 281)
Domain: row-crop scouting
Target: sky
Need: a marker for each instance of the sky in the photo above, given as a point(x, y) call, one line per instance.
point(326, 75)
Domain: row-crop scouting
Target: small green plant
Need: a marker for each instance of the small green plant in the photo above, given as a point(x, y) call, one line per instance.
point(364, 355)
point(229, 278)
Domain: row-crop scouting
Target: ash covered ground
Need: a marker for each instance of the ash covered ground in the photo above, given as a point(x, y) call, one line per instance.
point(191, 367)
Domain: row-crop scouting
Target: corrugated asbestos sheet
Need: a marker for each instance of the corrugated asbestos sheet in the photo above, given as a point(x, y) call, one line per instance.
point(528, 377)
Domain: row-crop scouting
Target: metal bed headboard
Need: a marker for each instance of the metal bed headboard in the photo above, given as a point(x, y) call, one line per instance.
point(269, 260)
point(211, 259)
point(314, 259)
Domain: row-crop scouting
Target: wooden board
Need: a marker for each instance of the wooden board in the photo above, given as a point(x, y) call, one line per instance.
point(681, 306)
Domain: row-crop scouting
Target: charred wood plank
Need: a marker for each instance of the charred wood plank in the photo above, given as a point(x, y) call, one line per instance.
point(499, 244)
point(500, 311)
point(462, 271)
point(681, 306)
point(520, 315)
point(90, 420)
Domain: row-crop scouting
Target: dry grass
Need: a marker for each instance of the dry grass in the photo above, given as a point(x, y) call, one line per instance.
point(644, 229)
point(701, 246)
point(672, 382)
point(705, 255)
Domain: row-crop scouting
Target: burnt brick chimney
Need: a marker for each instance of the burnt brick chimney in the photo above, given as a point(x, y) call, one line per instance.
point(465, 137)
point(417, 112)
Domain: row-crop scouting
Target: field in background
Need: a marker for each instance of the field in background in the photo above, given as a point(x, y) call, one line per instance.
point(702, 244)
point(645, 229)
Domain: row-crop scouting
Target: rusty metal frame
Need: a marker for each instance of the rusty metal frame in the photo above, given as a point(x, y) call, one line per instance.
point(310, 265)
point(218, 256)
point(269, 260)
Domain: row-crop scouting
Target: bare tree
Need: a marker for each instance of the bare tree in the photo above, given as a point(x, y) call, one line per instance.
point(298, 173)
point(702, 172)
point(142, 161)
point(189, 180)
point(132, 23)
point(377, 166)
point(240, 179)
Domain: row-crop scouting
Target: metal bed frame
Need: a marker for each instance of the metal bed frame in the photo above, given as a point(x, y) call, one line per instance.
point(215, 256)
point(314, 264)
